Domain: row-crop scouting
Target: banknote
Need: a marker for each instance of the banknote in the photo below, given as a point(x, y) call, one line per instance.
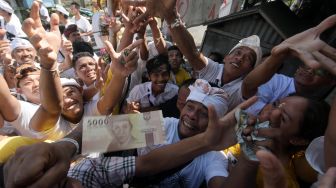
point(248, 148)
point(122, 132)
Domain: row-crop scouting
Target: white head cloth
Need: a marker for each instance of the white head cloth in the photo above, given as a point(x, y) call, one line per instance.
point(61, 9)
point(20, 43)
point(69, 82)
point(6, 7)
point(202, 92)
point(252, 42)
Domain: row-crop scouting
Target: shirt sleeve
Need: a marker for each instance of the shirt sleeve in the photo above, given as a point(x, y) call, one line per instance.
point(217, 165)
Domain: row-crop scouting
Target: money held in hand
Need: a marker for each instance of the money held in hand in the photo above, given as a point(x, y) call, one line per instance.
point(122, 132)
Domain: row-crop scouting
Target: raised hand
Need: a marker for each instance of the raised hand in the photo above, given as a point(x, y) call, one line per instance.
point(155, 8)
point(40, 38)
point(5, 54)
point(125, 62)
point(305, 43)
point(220, 133)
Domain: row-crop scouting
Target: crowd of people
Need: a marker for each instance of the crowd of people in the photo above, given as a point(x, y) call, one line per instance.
point(51, 78)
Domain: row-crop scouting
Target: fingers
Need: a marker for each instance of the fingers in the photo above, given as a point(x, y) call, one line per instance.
point(53, 175)
point(2, 33)
point(213, 118)
point(325, 24)
point(113, 54)
point(249, 102)
point(27, 27)
point(273, 171)
point(275, 119)
point(141, 18)
point(326, 62)
point(35, 14)
point(328, 180)
point(54, 23)
point(135, 44)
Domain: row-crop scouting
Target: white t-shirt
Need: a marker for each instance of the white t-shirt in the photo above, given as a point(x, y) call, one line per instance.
point(64, 127)
point(27, 111)
point(83, 25)
point(203, 167)
point(143, 93)
point(278, 87)
point(213, 72)
point(14, 27)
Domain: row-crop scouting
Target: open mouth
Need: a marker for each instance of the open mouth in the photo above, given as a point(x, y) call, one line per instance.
point(189, 126)
point(70, 106)
point(235, 65)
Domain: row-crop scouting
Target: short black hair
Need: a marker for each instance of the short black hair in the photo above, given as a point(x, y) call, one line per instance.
point(81, 46)
point(174, 47)
point(77, 6)
point(80, 55)
point(156, 62)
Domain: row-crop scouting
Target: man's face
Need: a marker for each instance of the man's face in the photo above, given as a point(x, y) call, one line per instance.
point(24, 55)
point(86, 69)
point(29, 86)
point(73, 10)
point(122, 131)
point(310, 78)
point(193, 119)
point(175, 59)
point(159, 78)
point(75, 36)
point(72, 102)
point(240, 61)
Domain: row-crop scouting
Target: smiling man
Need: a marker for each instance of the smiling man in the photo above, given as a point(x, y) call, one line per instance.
point(23, 51)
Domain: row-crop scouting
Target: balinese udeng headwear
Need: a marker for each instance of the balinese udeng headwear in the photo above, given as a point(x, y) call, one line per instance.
point(252, 42)
point(202, 92)
point(69, 82)
point(6, 7)
point(20, 43)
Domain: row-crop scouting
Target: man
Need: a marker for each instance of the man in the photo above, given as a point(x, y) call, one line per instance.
point(72, 34)
point(83, 24)
point(12, 22)
point(23, 51)
point(175, 58)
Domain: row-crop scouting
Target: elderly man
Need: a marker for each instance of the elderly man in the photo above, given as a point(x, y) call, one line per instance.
point(12, 22)
point(23, 51)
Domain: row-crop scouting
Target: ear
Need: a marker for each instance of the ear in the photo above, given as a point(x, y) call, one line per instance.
point(296, 141)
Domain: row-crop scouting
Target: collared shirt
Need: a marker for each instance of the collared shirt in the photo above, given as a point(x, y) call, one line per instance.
point(143, 93)
point(180, 76)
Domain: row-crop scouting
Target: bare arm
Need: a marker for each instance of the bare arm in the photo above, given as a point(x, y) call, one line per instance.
point(330, 138)
point(159, 41)
point(46, 44)
point(120, 72)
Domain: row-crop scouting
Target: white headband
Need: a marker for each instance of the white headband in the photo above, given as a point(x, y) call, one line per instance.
point(20, 43)
point(202, 92)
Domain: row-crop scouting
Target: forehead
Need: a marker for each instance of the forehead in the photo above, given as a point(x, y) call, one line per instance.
point(23, 48)
point(70, 88)
point(161, 69)
point(85, 59)
point(173, 52)
point(197, 105)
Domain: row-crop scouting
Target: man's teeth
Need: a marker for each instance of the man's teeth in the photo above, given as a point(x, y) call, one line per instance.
point(234, 64)
point(188, 125)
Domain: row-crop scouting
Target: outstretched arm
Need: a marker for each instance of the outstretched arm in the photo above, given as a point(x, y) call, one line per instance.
point(166, 9)
point(307, 46)
point(47, 45)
